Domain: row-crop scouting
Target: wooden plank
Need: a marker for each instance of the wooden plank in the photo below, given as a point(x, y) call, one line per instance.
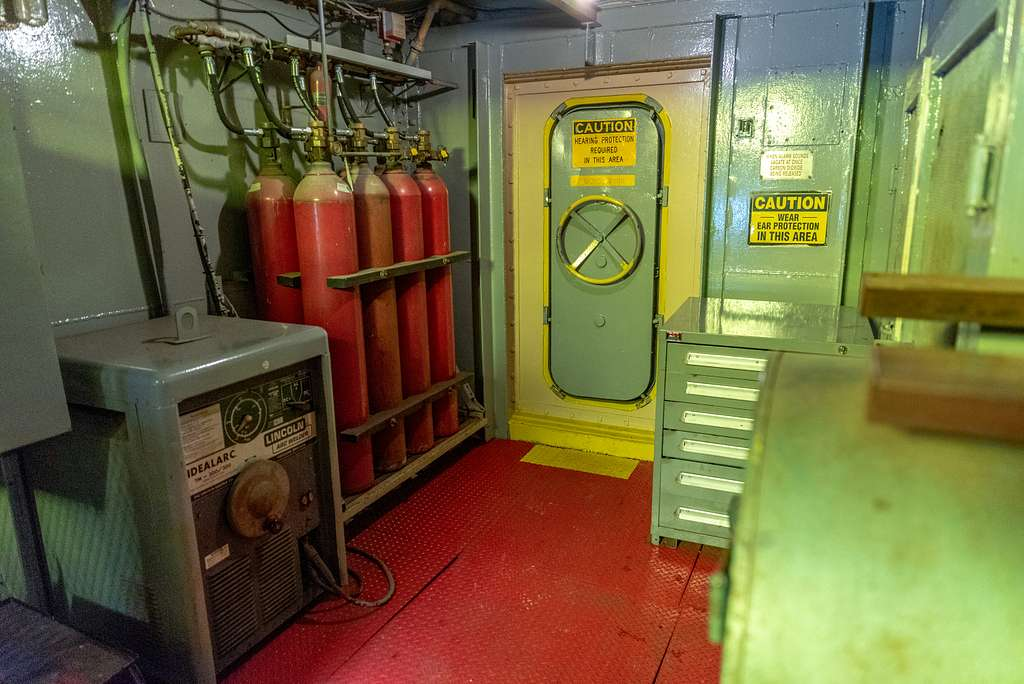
point(369, 275)
point(990, 301)
point(413, 466)
point(948, 391)
point(378, 421)
point(291, 279)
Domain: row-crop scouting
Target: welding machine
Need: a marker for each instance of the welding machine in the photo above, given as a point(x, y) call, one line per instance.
point(201, 458)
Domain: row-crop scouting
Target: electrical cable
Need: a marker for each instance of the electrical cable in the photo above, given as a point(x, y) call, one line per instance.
point(351, 8)
point(324, 578)
point(252, 10)
point(217, 301)
point(142, 182)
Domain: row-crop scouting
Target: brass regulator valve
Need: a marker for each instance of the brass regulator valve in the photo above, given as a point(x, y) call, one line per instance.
point(317, 144)
point(422, 152)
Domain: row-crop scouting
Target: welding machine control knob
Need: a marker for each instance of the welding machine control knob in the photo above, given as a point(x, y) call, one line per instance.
point(258, 499)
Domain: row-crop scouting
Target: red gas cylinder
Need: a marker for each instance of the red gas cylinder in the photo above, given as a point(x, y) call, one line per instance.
point(440, 315)
point(318, 91)
point(407, 232)
point(268, 207)
point(325, 225)
point(380, 312)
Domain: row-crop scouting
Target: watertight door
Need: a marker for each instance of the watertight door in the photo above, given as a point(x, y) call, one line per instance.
point(605, 160)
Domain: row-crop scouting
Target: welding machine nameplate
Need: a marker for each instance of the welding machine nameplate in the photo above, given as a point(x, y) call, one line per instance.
point(259, 423)
point(788, 218)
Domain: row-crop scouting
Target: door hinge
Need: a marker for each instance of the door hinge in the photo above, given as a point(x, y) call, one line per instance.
point(979, 176)
point(547, 315)
point(658, 320)
point(547, 197)
point(663, 196)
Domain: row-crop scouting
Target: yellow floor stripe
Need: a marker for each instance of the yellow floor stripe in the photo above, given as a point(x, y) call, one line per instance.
point(585, 461)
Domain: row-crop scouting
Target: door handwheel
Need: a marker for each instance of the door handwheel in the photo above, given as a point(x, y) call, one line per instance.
point(580, 218)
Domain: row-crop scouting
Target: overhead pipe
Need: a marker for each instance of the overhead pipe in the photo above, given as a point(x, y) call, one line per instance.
point(209, 29)
point(433, 8)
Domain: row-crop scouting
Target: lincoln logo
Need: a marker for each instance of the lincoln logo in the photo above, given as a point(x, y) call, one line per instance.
point(284, 432)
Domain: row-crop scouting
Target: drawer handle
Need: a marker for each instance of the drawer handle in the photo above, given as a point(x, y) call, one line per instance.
point(706, 389)
point(703, 517)
point(694, 446)
point(744, 363)
point(717, 420)
point(719, 484)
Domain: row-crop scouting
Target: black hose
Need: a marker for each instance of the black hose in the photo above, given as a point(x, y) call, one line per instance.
point(324, 578)
point(256, 78)
point(348, 112)
point(380, 105)
point(232, 126)
point(300, 88)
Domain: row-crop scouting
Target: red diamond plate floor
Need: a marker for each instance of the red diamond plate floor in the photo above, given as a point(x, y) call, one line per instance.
point(512, 572)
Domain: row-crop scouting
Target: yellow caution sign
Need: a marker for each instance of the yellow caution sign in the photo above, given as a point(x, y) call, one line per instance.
point(603, 142)
point(789, 218)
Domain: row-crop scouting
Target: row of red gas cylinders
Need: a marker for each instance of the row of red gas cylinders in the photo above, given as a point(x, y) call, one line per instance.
point(389, 339)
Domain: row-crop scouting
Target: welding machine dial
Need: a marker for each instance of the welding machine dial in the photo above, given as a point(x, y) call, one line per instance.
point(245, 417)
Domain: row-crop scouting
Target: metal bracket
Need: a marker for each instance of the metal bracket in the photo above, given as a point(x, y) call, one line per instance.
point(979, 176)
point(186, 325)
point(663, 196)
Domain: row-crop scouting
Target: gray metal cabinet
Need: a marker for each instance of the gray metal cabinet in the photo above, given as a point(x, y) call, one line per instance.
point(712, 356)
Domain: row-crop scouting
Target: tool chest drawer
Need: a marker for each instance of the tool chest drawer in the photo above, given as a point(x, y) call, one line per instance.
point(711, 420)
point(726, 362)
point(704, 485)
point(711, 390)
point(694, 446)
point(675, 512)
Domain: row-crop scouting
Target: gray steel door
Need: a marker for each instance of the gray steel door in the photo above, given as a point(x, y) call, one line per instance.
point(605, 166)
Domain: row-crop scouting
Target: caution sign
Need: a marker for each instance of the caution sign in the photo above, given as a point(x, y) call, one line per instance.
point(789, 218)
point(603, 142)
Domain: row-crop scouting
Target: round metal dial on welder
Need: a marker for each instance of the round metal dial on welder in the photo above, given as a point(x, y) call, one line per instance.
point(600, 240)
point(245, 417)
point(258, 499)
